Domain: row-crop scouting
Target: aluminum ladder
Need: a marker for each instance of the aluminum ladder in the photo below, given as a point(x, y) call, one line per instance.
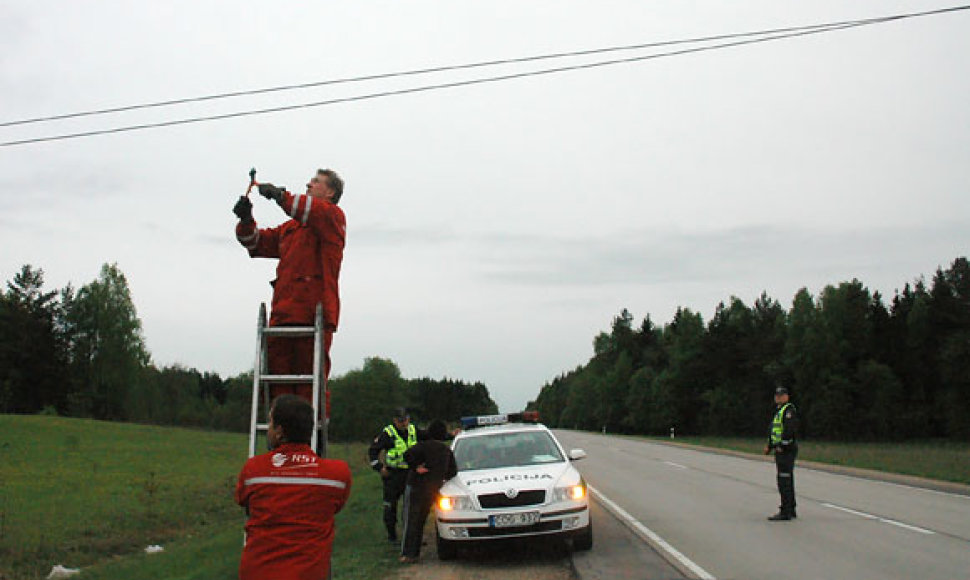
point(261, 380)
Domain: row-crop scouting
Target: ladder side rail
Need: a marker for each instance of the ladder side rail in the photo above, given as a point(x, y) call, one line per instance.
point(264, 369)
point(317, 352)
point(257, 368)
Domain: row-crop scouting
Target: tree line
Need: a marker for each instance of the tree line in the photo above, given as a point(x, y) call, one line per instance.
point(363, 399)
point(81, 353)
point(858, 368)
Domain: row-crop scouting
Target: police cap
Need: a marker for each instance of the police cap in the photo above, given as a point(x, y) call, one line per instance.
point(401, 413)
point(780, 390)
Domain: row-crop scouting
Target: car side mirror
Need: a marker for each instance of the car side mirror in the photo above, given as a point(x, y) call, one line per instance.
point(576, 454)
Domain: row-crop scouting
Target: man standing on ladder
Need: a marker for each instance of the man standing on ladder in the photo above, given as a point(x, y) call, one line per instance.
point(310, 249)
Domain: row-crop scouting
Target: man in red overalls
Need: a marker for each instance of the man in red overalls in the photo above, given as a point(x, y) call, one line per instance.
point(291, 496)
point(310, 249)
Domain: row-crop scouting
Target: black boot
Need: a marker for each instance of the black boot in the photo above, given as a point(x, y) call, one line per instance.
point(780, 517)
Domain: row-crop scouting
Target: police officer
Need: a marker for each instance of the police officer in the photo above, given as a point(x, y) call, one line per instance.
point(781, 440)
point(394, 440)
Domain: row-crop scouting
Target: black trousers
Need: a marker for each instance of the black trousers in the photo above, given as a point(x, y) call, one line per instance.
point(785, 464)
point(394, 485)
point(418, 500)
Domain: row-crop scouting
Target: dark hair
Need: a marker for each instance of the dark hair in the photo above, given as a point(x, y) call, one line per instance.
point(438, 430)
point(295, 416)
point(334, 182)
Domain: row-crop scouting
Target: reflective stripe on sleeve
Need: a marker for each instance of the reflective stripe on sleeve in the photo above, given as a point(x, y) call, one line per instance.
point(306, 210)
point(251, 241)
point(296, 481)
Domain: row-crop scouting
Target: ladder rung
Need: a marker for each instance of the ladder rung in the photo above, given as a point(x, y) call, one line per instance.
point(286, 378)
point(291, 330)
point(265, 426)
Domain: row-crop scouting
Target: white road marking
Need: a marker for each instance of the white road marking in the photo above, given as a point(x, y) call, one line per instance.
point(879, 519)
point(644, 531)
point(677, 465)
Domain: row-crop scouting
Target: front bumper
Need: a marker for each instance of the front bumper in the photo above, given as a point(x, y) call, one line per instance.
point(474, 525)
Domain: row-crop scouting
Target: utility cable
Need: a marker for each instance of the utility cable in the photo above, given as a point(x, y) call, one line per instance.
point(802, 31)
point(446, 68)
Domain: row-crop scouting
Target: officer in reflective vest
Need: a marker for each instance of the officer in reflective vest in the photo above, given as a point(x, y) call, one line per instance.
point(781, 440)
point(394, 440)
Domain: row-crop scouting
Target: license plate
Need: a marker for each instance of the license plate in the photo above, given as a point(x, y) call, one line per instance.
point(512, 520)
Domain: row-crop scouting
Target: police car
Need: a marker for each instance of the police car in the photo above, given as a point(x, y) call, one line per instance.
point(514, 479)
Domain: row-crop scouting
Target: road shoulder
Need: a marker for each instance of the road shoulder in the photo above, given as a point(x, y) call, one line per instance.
point(619, 554)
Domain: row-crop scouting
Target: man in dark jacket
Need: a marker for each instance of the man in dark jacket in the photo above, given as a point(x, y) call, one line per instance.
point(432, 464)
point(781, 440)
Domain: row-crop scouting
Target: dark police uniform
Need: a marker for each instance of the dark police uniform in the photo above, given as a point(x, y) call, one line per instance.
point(394, 442)
point(782, 440)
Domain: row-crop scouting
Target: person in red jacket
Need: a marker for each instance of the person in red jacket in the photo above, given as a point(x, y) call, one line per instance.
point(291, 496)
point(310, 249)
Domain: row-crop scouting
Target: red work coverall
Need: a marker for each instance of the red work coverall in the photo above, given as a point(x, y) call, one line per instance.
point(310, 249)
point(291, 496)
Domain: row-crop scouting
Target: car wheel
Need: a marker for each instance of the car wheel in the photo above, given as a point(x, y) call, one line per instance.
point(447, 549)
point(584, 539)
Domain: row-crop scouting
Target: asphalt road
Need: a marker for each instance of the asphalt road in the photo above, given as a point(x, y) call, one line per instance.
point(711, 508)
point(617, 554)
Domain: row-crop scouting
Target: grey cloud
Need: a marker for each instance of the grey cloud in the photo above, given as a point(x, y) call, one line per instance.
point(214, 240)
point(50, 182)
point(652, 257)
point(380, 234)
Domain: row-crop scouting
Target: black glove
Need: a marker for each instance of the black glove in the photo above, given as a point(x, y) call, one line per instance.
point(270, 191)
point(243, 209)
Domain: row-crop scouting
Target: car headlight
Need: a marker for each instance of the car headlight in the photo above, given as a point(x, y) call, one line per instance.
point(570, 492)
point(447, 503)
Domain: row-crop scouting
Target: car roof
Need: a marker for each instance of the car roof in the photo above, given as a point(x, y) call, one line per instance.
point(504, 428)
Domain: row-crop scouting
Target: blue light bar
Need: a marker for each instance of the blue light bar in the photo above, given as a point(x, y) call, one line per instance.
point(484, 420)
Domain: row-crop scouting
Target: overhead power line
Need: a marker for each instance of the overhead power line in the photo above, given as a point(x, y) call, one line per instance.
point(763, 36)
point(413, 72)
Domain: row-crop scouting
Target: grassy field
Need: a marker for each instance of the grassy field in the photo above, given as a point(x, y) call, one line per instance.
point(93, 495)
point(947, 461)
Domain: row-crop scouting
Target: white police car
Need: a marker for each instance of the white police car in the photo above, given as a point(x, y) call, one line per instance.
point(514, 479)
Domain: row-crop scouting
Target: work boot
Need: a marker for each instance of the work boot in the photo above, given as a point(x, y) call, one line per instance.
point(780, 517)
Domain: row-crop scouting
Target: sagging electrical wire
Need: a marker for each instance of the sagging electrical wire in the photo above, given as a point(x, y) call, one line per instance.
point(413, 72)
point(763, 36)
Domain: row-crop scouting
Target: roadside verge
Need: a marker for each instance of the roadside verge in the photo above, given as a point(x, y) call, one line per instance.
point(898, 478)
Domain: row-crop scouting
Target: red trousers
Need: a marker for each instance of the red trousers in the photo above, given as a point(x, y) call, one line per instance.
point(294, 356)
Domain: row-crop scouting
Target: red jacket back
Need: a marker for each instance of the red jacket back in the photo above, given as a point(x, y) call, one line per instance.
point(291, 496)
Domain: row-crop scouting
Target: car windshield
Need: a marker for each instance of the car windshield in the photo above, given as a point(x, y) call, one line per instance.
point(506, 450)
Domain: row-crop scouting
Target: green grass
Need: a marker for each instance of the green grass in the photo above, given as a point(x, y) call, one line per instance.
point(92, 495)
point(943, 460)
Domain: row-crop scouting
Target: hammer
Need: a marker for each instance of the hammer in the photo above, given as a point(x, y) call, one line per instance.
point(252, 181)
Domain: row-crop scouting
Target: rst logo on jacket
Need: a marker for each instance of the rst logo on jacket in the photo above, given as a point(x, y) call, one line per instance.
point(510, 477)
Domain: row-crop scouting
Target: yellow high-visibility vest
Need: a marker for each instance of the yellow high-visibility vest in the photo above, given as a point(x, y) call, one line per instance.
point(395, 456)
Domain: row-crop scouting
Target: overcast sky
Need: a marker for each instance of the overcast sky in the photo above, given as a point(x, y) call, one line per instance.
point(493, 230)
